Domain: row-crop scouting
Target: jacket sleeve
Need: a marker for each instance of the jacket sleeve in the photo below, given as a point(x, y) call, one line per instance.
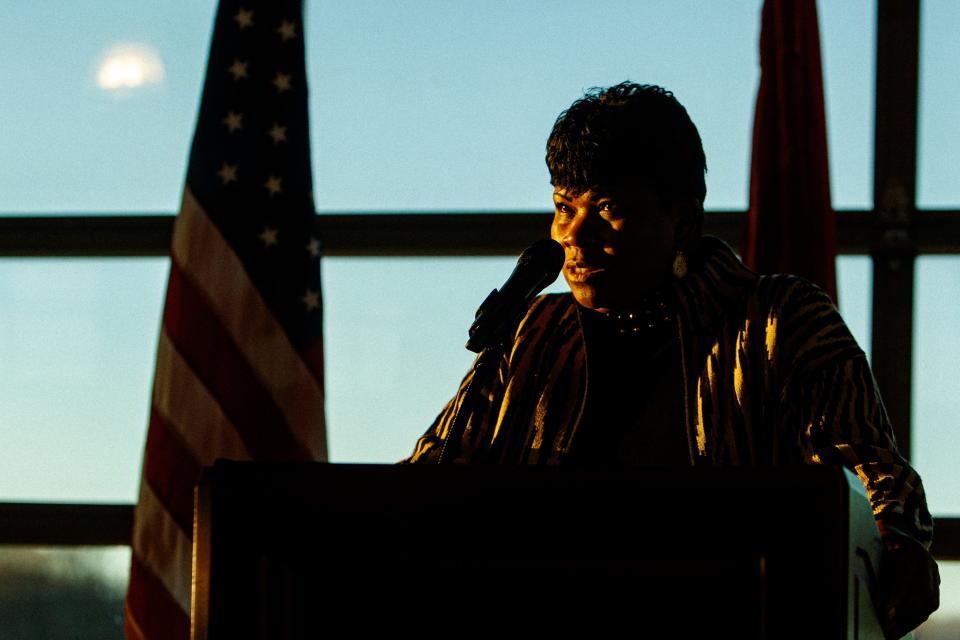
point(831, 402)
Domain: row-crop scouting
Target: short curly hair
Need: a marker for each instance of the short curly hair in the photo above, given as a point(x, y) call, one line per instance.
point(635, 134)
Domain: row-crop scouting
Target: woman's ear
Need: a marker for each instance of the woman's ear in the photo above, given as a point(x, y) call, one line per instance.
point(686, 214)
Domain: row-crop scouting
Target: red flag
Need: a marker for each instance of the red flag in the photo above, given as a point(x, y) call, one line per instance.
point(239, 364)
point(791, 226)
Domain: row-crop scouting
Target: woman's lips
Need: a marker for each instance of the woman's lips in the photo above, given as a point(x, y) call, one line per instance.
point(578, 271)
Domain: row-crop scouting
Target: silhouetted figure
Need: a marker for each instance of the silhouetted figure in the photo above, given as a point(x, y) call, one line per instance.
point(670, 352)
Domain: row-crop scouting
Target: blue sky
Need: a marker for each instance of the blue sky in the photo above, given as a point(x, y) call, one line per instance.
point(429, 105)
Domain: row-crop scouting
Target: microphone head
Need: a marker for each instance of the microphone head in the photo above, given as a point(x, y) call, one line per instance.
point(537, 267)
point(547, 254)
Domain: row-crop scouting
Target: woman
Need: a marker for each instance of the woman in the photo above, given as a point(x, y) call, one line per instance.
point(670, 352)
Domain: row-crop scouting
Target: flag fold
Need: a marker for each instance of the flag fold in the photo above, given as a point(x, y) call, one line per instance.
point(791, 226)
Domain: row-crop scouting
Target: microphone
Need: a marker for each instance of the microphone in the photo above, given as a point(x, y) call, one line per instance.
point(537, 267)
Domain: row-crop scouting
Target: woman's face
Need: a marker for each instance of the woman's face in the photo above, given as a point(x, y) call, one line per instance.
point(618, 243)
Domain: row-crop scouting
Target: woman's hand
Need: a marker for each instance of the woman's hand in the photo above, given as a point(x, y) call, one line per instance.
point(909, 585)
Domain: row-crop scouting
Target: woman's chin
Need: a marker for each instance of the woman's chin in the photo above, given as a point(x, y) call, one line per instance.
point(588, 297)
point(606, 299)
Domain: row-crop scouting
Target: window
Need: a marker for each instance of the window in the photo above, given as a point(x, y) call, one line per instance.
point(405, 117)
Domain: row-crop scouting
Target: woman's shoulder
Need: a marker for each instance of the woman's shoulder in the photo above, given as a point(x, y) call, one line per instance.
point(803, 321)
point(790, 296)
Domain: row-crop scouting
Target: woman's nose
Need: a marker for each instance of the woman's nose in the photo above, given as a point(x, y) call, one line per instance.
point(580, 232)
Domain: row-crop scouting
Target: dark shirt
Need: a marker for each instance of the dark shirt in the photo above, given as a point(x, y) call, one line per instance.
point(633, 412)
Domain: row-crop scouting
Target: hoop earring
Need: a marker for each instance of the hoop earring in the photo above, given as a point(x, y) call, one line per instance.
point(679, 265)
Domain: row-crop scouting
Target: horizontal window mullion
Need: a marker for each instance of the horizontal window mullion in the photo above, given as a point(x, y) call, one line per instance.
point(409, 234)
point(65, 524)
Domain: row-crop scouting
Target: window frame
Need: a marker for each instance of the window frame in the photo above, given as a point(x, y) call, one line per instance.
point(894, 233)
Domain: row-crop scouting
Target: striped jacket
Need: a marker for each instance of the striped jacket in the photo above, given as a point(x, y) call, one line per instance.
point(772, 376)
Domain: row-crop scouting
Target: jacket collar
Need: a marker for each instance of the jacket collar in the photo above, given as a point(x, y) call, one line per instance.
point(716, 280)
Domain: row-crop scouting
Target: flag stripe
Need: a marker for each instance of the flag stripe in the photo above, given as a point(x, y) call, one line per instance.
point(131, 630)
point(162, 546)
point(150, 611)
point(186, 405)
point(313, 357)
point(201, 339)
point(200, 249)
point(171, 471)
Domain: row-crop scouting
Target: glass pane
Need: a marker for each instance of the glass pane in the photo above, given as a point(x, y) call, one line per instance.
point(848, 47)
point(70, 145)
point(394, 332)
point(473, 102)
point(936, 352)
point(62, 593)
point(944, 624)
point(405, 115)
point(855, 290)
point(939, 135)
point(77, 345)
point(442, 104)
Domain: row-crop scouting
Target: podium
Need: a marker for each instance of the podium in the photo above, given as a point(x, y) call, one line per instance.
point(307, 550)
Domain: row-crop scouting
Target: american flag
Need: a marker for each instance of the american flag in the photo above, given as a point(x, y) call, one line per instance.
point(239, 370)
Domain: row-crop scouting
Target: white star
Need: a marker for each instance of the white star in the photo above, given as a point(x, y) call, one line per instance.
point(313, 247)
point(234, 121)
point(244, 18)
point(277, 133)
point(312, 299)
point(287, 30)
point(274, 185)
point(269, 237)
point(282, 82)
point(228, 173)
point(238, 69)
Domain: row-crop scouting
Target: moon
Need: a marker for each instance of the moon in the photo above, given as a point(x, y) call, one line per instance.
point(128, 66)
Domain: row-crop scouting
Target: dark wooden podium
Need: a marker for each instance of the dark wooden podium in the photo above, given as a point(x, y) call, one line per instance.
point(325, 550)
